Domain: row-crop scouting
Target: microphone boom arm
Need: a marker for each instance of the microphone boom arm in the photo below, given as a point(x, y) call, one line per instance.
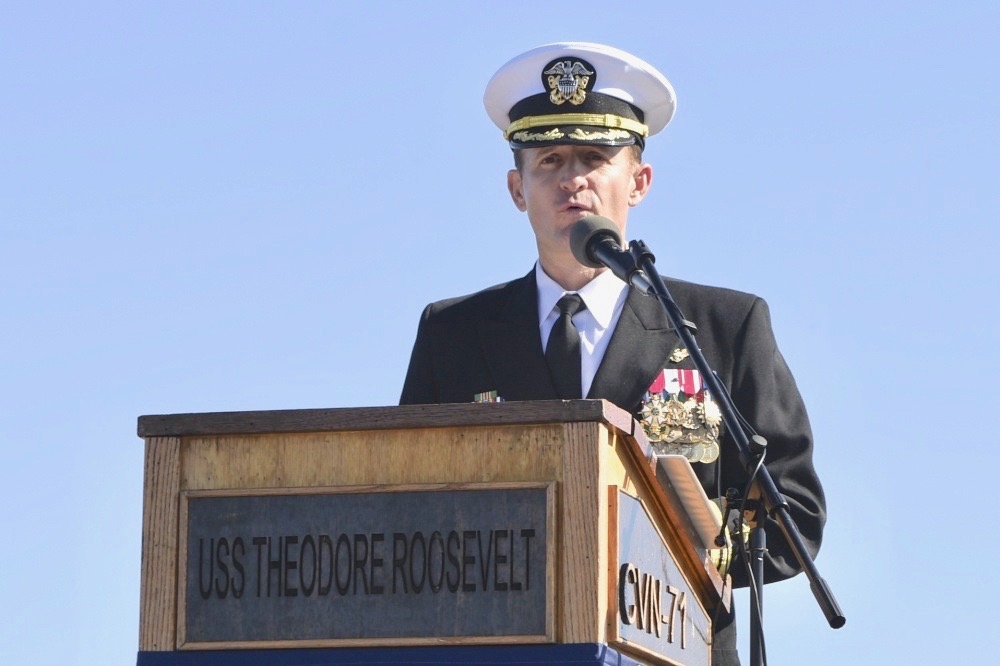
point(774, 502)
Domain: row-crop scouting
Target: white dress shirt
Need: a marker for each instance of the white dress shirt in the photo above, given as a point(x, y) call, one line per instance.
point(604, 297)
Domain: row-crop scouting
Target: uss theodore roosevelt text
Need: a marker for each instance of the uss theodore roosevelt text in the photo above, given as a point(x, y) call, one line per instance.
point(498, 560)
point(400, 563)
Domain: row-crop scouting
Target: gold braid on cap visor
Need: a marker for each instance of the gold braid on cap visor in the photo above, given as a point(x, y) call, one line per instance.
point(589, 119)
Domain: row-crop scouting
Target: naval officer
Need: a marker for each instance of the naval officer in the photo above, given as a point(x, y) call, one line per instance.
point(577, 117)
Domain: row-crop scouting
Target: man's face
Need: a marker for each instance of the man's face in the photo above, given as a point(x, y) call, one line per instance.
point(558, 185)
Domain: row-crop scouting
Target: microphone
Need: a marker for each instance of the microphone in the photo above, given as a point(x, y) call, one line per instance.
point(595, 242)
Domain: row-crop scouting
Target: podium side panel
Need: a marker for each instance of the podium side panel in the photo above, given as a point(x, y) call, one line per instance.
point(583, 552)
point(157, 612)
point(671, 519)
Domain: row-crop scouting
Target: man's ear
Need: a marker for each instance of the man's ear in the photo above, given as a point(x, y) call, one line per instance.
point(516, 192)
point(642, 178)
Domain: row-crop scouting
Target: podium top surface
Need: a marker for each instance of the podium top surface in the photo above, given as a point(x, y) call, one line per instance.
point(388, 418)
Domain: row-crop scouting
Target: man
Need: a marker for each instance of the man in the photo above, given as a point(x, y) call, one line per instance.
point(577, 117)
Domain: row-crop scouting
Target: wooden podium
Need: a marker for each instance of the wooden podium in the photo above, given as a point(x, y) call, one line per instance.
point(539, 532)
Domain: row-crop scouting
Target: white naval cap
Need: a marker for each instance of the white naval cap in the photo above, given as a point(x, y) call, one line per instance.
point(580, 93)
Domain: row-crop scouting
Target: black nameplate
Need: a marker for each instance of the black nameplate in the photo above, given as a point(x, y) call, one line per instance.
point(404, 565)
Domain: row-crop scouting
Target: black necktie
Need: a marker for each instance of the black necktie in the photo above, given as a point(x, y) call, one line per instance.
point(562, 352)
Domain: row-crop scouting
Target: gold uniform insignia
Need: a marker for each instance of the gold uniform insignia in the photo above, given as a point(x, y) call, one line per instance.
point(568, 80)
point(607, 135)
point(552, 135)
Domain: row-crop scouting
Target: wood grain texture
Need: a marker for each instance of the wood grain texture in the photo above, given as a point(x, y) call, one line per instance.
point(584, 547)
point(385, 418)
point(353, 458)
point(611, 617)
point(158, 595)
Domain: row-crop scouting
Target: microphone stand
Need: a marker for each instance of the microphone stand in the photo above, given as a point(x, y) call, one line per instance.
point(750, 454)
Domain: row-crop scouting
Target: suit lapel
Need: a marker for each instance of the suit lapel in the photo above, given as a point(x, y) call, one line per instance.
point(513, 348)
point(639, 347)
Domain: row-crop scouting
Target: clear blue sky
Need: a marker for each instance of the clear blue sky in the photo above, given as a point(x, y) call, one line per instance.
point(245, 205)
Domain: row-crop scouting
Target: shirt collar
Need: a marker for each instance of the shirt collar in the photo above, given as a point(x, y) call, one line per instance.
point(600, 294)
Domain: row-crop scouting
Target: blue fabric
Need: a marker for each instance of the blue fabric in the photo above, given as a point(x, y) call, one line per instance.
point(570, 654)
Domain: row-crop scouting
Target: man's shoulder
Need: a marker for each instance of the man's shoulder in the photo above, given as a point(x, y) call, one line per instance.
point(490, 300)
point(721, 314)
point(708, 298)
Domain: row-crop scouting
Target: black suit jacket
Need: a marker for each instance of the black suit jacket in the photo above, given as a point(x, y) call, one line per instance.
point(490, 341)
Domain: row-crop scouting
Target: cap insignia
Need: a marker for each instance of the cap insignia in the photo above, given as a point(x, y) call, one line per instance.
point(568, 80)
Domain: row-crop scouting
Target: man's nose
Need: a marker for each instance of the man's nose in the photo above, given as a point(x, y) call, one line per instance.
point(574, 176)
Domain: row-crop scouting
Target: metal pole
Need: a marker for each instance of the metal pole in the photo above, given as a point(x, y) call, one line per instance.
point(758, 548)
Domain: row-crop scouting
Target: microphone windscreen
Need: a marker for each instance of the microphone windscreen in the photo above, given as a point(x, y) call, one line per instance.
point(584, 231)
